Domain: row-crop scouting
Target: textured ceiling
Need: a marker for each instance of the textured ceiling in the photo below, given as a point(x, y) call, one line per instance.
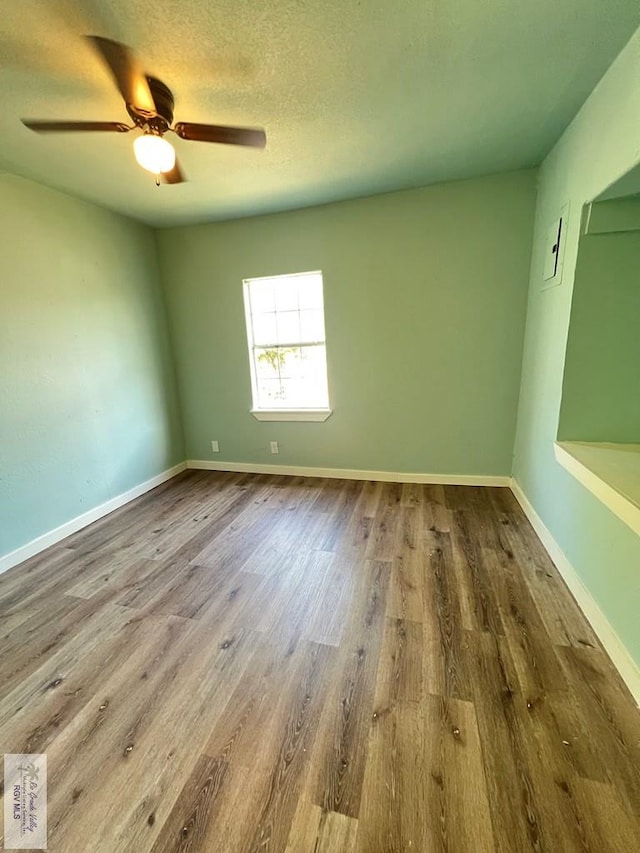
point(357, 96)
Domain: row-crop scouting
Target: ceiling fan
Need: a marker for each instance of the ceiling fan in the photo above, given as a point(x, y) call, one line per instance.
point(150, 104)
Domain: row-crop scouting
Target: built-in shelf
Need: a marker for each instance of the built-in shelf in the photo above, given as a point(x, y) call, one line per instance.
point(610, 471)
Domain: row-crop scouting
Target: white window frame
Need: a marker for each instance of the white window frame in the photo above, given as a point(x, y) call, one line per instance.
point(279, 414)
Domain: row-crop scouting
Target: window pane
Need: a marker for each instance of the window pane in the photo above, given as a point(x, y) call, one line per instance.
point(265, 330)
point(291, 363)
point(288, 327)
point(298, 394)
point(292, 377)
point(315, 376)
point(286, 292)
point(261, 297)
point(275, 362)
point(267, 362)
point(270, 394)
point(312, 325)
point(310, 291)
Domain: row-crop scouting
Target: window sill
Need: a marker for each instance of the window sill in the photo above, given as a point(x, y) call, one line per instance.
point(609, 471)
point(291, 414)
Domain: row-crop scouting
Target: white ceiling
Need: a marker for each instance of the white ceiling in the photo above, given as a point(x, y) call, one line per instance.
point(357, 96)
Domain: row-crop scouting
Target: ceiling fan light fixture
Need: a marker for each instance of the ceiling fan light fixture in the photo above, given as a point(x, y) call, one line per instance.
point(154, 153)
point(149, 103)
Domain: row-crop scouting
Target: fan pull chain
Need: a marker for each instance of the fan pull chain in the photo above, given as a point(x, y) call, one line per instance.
point(157, 180)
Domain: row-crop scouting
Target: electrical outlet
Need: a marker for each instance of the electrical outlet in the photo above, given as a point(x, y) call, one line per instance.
point(215, 447)
point(274, 447)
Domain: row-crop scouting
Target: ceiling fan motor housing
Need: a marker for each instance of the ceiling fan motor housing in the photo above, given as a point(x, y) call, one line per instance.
point(163, 99)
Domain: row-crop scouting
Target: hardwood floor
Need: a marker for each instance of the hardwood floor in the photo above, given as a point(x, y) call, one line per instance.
point(243, 663)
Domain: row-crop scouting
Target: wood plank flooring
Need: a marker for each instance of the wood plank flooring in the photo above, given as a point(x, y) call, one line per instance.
point(242, 663)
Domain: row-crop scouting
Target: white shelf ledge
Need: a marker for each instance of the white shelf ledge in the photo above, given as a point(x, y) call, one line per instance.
point(610, 471)
point(291, 414)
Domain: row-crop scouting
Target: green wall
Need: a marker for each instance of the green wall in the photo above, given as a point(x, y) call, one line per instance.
point(425, 295)
point(601, 388)
point(87, 395)
point(600, 145)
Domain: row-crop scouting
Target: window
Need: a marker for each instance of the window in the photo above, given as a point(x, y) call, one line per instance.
point(287, 350)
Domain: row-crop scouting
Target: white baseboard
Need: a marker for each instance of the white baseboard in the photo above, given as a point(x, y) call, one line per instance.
point(351, 474)
point(52, 536)
point(617, 651)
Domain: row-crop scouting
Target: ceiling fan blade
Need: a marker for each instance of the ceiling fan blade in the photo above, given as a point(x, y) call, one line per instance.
point(175, 176)
point(254, 137)
point(129, 78)
point(61, 126)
